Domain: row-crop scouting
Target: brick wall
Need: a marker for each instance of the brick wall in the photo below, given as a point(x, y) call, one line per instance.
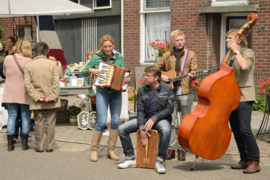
point(8, 24)
point(261, 40)
point(202, 33)
point(132, 34)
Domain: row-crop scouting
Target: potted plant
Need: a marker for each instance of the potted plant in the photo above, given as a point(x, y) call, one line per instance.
point(74, 111)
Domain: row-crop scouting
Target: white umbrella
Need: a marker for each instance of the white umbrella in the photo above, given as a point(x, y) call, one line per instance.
point(15, 8)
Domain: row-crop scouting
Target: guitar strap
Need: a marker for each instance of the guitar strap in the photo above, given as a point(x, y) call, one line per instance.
point(179, 89)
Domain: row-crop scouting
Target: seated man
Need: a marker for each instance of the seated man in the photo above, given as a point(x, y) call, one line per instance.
point(155, 102)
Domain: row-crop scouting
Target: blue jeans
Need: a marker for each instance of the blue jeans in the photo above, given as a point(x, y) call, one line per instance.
point(18, 125)
point(103, 99)
point(12, 115)
point(162, 126)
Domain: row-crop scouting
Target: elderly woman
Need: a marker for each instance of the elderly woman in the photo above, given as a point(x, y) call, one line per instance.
point(105, 97)
point(15, 94)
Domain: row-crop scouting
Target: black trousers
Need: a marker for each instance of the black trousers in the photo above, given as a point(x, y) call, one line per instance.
point(240, 124)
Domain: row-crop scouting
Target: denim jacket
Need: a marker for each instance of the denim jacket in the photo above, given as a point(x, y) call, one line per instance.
point(165, 103)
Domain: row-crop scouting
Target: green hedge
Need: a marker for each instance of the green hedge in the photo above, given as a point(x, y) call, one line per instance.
point(261, 103)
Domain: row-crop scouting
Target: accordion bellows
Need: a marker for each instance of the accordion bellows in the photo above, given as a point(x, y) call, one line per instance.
point(112, 76)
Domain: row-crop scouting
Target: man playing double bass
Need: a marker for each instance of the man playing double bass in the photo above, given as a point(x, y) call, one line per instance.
point(243, 61)
point(184, 61)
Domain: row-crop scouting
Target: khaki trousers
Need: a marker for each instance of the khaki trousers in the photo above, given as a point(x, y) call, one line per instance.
point(50, 116)
point(183, 104)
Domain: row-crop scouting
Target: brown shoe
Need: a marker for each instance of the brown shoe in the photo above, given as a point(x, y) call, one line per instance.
point(181, 155)
point(38, 151)
point(253, 167)
point(49, 150)
point(170, 154)
point(241, 165)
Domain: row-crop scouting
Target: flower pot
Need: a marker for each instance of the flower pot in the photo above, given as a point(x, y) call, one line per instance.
point(73, 120)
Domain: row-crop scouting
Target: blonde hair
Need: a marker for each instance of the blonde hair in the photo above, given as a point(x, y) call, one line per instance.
point(243, 42)
point(23, 46)
point(176, 33)
point(58, 64)
point(103, 39)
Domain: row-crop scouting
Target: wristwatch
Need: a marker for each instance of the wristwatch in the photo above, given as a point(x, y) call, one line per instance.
point(237, 52)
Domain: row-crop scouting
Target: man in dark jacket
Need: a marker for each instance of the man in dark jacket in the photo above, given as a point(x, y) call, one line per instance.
point(155, 104)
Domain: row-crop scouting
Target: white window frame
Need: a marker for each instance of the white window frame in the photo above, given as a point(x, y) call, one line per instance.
point(239, 2)
point(223, 31)
point(104, 7)
point(142, 29)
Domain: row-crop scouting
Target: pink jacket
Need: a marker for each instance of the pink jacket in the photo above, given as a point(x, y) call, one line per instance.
point(15, 90)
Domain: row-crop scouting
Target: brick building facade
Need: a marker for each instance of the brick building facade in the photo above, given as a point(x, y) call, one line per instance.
point(12, 25)
point(203, 23)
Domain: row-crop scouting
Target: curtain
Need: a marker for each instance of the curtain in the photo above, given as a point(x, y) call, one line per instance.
point(156, 24)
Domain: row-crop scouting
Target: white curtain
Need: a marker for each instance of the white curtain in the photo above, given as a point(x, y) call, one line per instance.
point(156, 24)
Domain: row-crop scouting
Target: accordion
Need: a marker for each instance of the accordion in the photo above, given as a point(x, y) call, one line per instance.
point(112, 76)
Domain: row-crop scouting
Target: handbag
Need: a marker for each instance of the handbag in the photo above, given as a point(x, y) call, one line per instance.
point(19, 66)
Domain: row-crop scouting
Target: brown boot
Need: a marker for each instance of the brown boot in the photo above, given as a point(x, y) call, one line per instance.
point(95, 145)
point(181, 155)
point(170, 154)
point(111, 145)
point(253, 167)
point(241, 165)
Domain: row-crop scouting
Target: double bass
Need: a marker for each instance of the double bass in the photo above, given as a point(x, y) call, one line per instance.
point(205, 131)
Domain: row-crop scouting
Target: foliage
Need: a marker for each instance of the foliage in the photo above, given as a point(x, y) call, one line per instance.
point(2, 56)
point(160, 47)
point(264, 85)
point(261, 103)
point(132, 98)
point(74, 110)
point(1, 32)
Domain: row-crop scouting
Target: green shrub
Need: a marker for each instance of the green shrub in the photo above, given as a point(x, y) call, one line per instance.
point(131, 98)
point(261, 103)
point(74, 110)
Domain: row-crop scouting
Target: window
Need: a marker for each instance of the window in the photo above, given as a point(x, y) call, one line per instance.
point(155, 23)
point(229, 2)
point(102, 4)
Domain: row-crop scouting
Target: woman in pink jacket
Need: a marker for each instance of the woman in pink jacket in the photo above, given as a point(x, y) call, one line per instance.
point(15, 94)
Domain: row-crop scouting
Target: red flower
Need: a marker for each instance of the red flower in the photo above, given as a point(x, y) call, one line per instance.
point(260, 92)
point(258, 82)
point(261, 85)
point(267, 93)
point(157, 40)
point(266, 77)
point(152, 43)
point(152, 55)
point(168, 43)
point(164, 40)
point(194, 85)
point(165, 48)
point(263, 79)
point(263, 90)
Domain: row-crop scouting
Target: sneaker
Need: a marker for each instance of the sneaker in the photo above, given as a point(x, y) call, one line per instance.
point(131, 163)
point(106, 133)
point(160, 168)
